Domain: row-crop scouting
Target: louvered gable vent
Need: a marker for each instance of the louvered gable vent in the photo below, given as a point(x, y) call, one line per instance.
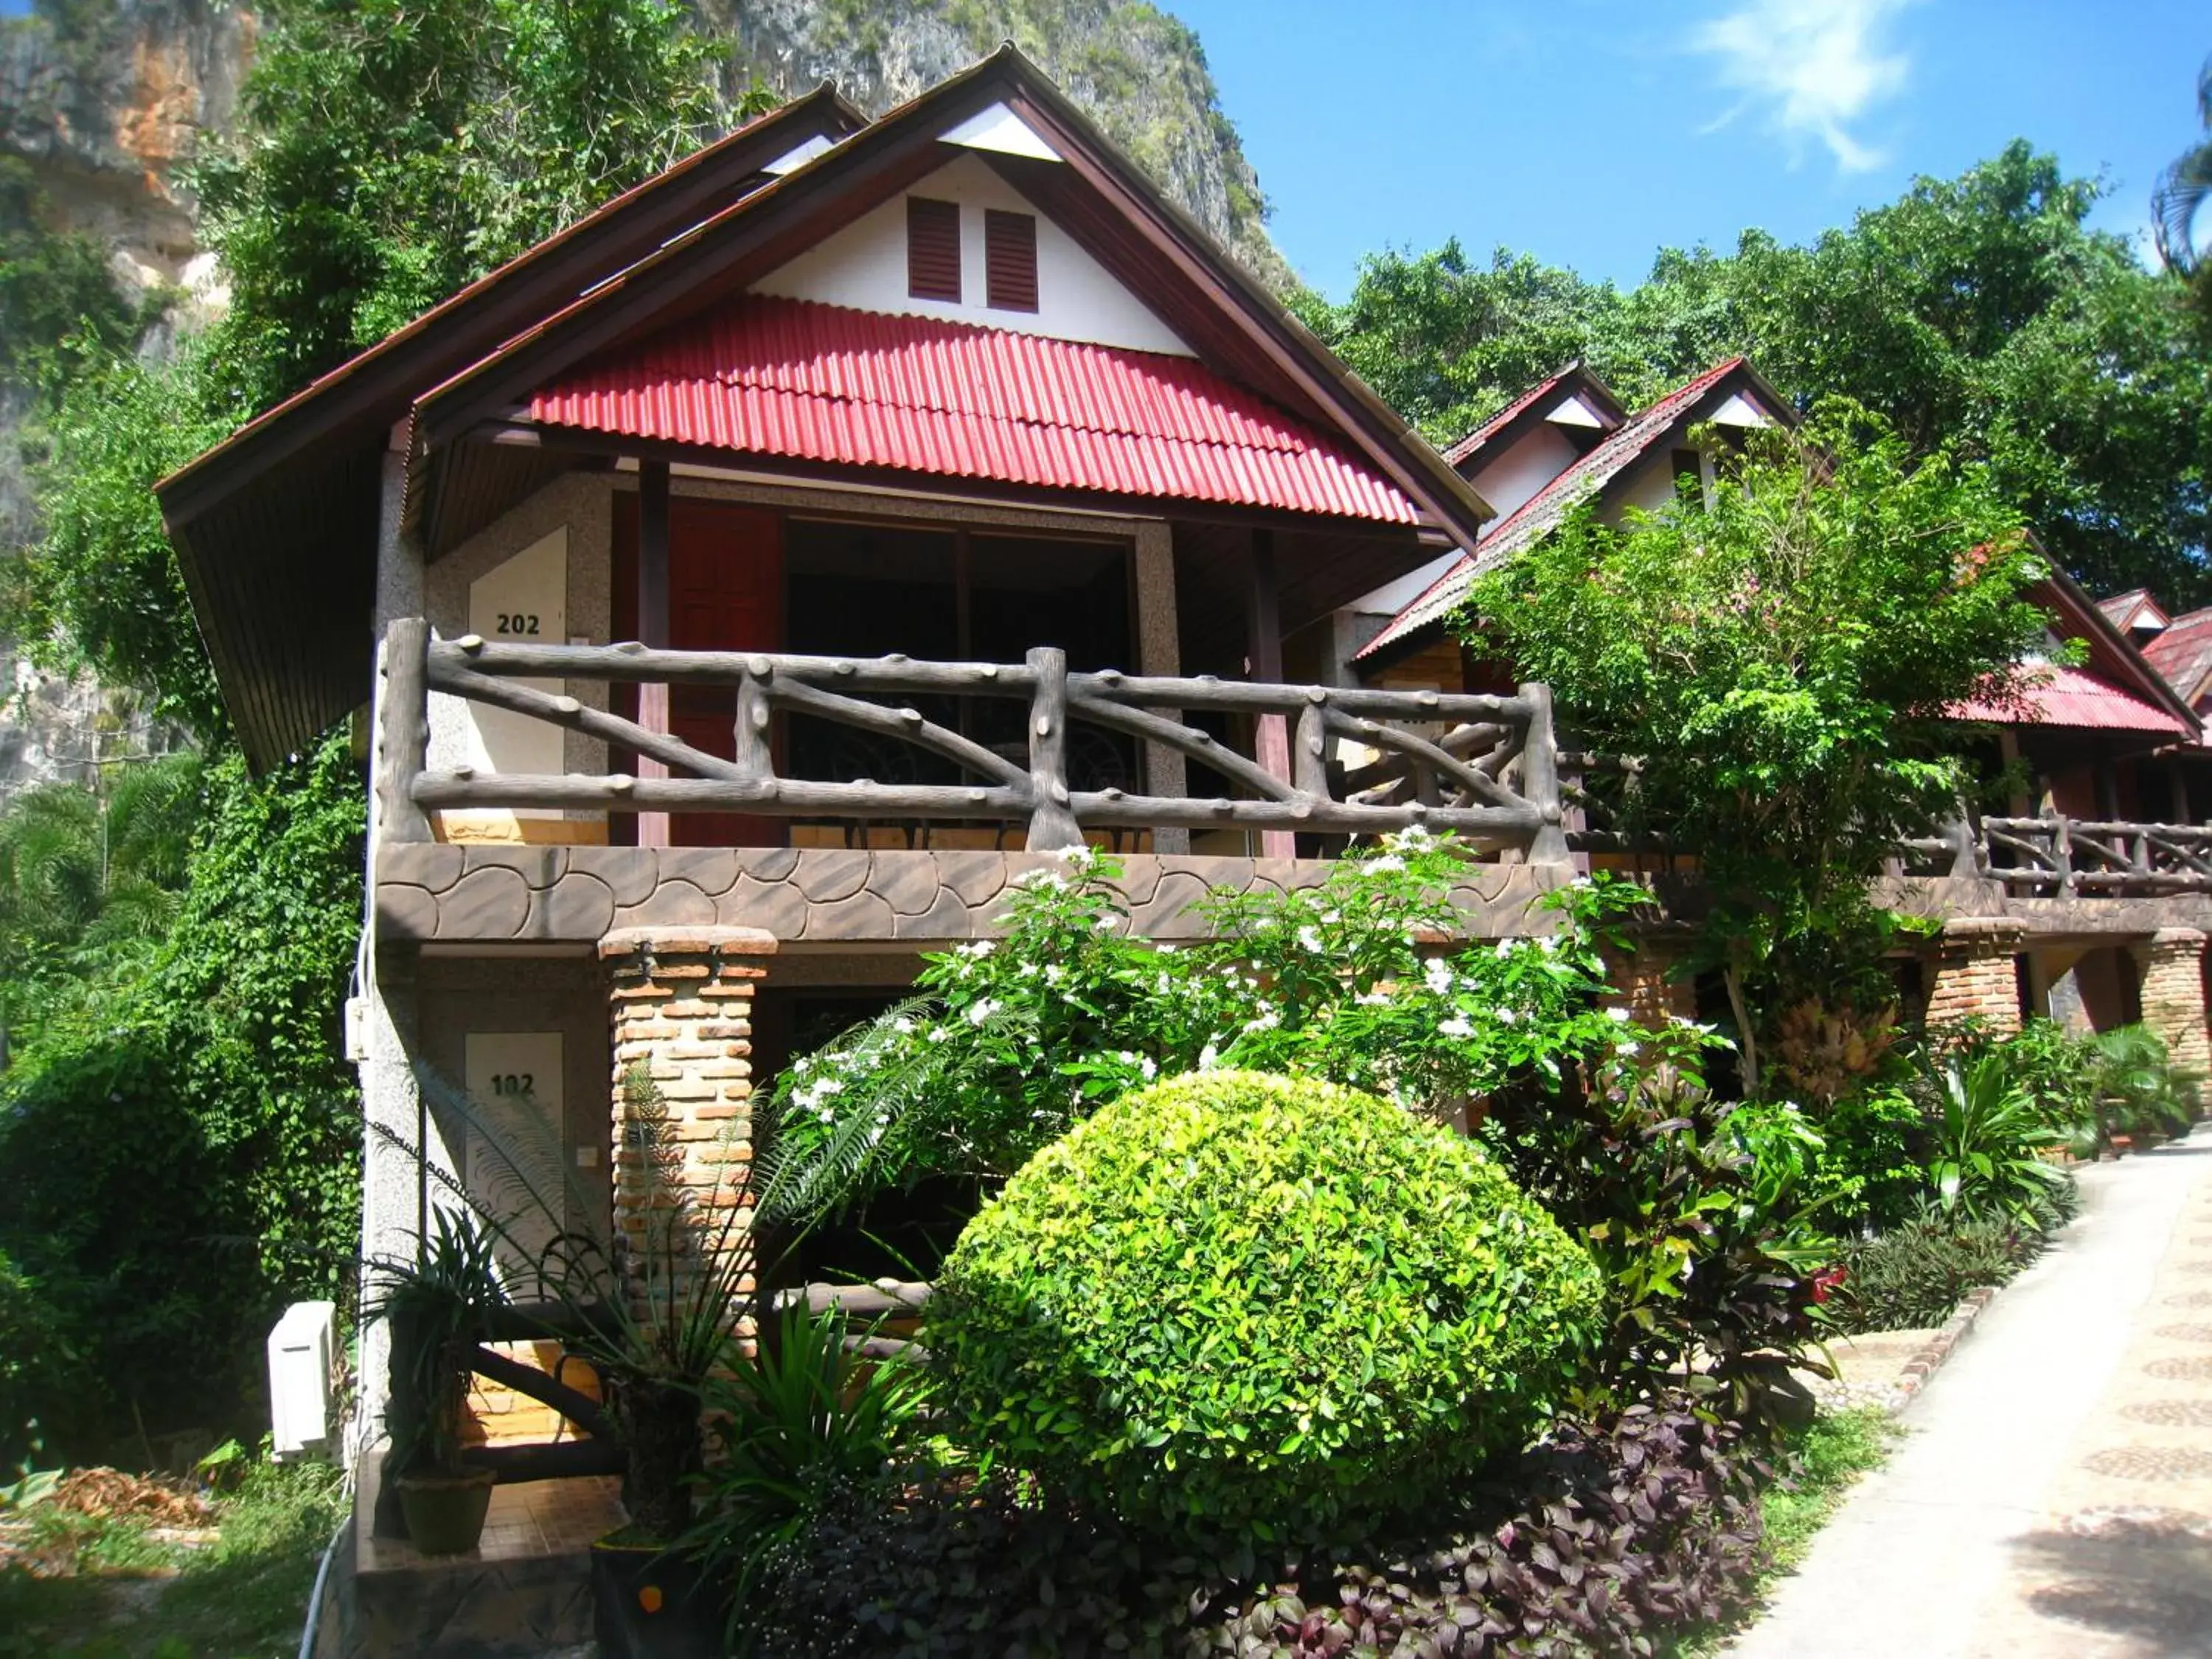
point(933, 249)
point(1010, 261)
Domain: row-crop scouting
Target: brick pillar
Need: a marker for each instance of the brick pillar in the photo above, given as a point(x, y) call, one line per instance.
point(2173, 962)
point(1974, 973)
point(682, 1005)
point(1640, 982)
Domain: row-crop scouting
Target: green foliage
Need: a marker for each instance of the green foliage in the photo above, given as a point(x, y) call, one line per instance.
point(1014, 1041)
point(1988, 1159)
point(390, 153)
point(54, 284)
point(436, 1304)
point(1697, 1225)
point(1981, 311)
point(182, 1159)
point(797, 1426)
point(1600, 1539)
point(1915, 1275)
point(89, 884)
point(38, 1365)
point(100, 591)
point(1872, 1170)
point(1780, 658)
point(1297, 1301)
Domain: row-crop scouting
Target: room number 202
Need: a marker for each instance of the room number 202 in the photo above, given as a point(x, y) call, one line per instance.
point(518, 621)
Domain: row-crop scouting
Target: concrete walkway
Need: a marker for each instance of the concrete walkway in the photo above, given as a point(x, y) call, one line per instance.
point(2053, 1496)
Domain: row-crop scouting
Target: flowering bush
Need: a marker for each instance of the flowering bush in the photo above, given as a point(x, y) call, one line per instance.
point(1234, 1298)
point(1011, 1042)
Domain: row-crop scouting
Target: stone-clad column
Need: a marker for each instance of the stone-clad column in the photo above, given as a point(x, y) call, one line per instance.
point(682, 1008)
point(2173, 997)
point(1974, 973)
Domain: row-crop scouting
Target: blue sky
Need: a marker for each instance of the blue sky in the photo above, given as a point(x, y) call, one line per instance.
point(1590, 132)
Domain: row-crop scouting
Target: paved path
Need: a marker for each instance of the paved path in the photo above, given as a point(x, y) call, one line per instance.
point(2053, 1496)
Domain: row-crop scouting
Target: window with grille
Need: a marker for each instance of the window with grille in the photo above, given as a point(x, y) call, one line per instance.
point(1010, 262)
point(933, 249)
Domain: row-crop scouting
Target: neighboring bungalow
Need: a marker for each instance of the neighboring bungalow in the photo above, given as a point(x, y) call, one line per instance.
point(749, 582)
point(2111, 743)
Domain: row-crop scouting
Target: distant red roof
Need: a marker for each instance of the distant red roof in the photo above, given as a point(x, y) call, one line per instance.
point(2076, 698)
point(804, 381)
point(1542, 512)
point(2182, 653)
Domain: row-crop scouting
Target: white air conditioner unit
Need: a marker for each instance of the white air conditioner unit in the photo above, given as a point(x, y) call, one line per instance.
point(300, 1381)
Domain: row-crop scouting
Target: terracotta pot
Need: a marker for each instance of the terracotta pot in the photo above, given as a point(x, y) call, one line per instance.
point(649, 1603)
point(445, 1512)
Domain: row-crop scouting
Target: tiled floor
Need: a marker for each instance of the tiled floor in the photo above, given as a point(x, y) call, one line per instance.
point(534, 1519)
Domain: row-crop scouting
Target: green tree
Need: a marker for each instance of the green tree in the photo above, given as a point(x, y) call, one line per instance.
point(1781, 657)
point(1980, 312)
point(54, 284)
point(392, 151)
point(90, 882)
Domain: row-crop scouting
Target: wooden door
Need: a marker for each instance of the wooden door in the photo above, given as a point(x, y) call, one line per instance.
point(724, 593)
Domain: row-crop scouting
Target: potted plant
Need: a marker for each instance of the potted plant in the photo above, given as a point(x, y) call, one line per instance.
point(435, 1306)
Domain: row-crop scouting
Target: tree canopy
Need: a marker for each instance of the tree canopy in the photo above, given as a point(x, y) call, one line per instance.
point(1780, 656)
point(1980, 312)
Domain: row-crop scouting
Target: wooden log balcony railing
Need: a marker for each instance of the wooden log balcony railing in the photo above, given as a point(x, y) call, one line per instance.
point(2058, 857)
point(1482, 767)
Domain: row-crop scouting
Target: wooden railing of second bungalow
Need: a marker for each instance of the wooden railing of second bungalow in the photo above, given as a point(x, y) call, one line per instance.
point(2058, 857)
point(1483, 767)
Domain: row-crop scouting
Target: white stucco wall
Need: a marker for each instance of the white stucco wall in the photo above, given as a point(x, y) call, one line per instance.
point(1525, 465)
point(864, 266)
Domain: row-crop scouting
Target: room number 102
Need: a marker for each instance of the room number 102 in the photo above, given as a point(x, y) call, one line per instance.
point(515, 1085)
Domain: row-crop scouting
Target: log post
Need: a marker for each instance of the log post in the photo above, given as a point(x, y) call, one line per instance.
point(1540, 776)
point(404, 737)
point(754, 751)
point(652, 626)
point(1309, 753)
point(2062, 854)
point(1271, 737)
point(1966, 858)
point(1052, 823)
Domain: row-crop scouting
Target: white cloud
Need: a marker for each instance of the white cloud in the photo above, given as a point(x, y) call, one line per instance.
point(1814, 67)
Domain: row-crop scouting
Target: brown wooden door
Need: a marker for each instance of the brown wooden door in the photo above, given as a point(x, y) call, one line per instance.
point(724, 593)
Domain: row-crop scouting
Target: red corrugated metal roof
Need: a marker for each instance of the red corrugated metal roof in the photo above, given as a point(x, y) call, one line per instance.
point(1482, 434)
point(806, 381)
point(2076, 698)
point(2182, 652)
point(1542, 512)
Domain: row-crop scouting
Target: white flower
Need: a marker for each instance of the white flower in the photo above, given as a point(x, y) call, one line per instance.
point(1507, 1016)
point(1160, 985)
point(1632, 1050)
point(981, 947)
point(1267, 1020)
point(1504, 949)
point(939, 1033)
point(1549, 942)
point(1309, 939)
point(1208, 1058)
point(1034, 880)
point(1055, 973)
point(981, 1010)
point(1373, 999)
point(1148, 1067)
point(1438, 973)
point(1619, 1015)
point(1456, 1026)
point(1108, 922)
point(903, 1026)
point(1385, 866)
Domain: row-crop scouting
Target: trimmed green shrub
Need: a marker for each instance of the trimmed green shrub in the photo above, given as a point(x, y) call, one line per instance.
point(1236, 1299)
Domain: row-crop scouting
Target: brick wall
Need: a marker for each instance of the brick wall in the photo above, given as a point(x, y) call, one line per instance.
point(682, 1008)
point(1974, 974)
point(2173, 996)
point(1639, 982)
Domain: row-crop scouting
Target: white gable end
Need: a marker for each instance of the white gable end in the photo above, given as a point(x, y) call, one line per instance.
point(1740, 410)
point(1575, 412)
point(999, 128)
point(864, 266)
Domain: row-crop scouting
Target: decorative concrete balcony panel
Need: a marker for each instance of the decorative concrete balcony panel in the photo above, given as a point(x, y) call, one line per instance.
point(572, 896)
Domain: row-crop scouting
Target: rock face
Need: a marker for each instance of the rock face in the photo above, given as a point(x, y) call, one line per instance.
point(109, 100)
